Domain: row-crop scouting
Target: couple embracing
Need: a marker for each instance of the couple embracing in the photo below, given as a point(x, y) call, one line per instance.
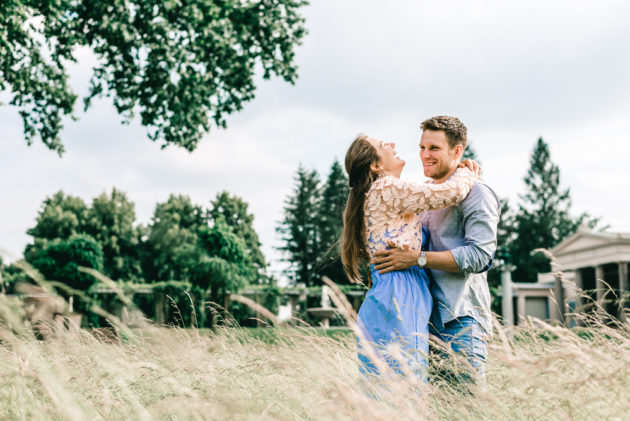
point(429, 246)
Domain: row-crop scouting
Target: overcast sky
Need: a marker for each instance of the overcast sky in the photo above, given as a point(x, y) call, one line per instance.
point(511, 71)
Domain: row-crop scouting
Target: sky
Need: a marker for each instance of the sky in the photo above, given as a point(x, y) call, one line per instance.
point(511, 71)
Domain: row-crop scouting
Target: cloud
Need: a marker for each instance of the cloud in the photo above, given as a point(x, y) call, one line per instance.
point(512, 71)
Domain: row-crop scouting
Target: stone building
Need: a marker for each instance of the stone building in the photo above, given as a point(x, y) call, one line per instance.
point(594, 262)
point(599, 262)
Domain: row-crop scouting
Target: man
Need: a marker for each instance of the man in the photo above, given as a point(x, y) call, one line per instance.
point(462, 244)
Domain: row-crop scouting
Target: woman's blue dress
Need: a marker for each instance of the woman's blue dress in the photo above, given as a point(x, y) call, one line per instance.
point(396, 311)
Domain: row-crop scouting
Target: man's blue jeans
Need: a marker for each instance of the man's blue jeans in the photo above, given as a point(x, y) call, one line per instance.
point(465, 337)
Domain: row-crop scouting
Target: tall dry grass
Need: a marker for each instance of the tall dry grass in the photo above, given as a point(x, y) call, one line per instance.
point(536, 371)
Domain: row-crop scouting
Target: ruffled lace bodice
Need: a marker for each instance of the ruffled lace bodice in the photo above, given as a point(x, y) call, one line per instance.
point(392, 207)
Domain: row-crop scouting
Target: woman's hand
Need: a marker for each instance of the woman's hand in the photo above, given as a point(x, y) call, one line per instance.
point(472, 166)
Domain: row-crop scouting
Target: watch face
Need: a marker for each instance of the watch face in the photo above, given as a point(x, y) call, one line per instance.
point(422, 260)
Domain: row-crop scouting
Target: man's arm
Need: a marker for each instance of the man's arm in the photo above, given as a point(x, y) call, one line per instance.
point(480, 217)
point(399, 259)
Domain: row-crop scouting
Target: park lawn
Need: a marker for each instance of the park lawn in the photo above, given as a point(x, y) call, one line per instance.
point(544, 372)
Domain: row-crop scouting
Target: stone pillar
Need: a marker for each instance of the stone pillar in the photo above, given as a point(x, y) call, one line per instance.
point(293, 300)
point(161, 308)
point(507, 305)
point(623, 289)
point(600, 286)
point(521, 310)
point(579, 284)
point(560, 300)
point(258, 299)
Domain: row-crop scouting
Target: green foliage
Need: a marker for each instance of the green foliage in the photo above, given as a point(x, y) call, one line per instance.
point(213, 258)
point(330, 223)
point(60, 217)
point(300, 228)
point(469, 153)
point(172, 238)
point(60, 259)
point(211, 252)
point(543, 218)
point(312, 226)
point(110, 220)
point(232, 211)
point(180, 65)
point(222, 265)
point(245, 316)
point(11, 275)
point(185, 305)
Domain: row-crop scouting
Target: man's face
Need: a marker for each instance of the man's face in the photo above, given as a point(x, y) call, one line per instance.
point(438, 159)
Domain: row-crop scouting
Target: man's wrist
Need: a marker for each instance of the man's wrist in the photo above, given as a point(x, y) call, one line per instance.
point(421, 260)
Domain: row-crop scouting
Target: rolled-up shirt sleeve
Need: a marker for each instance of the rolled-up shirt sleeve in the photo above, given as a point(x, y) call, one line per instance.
point(480, 214)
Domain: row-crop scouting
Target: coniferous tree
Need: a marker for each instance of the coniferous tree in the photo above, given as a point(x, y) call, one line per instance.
point(543, 219)
point(469, 153)
point(501, 258)
point(299, 228)
point(330, 222)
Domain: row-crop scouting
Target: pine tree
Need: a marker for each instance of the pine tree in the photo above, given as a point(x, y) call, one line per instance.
point(299, 228)
point(469, 153)
point(330, 222)
point(543, 219)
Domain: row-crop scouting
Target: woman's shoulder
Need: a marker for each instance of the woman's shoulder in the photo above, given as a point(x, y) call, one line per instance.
point(386, 181)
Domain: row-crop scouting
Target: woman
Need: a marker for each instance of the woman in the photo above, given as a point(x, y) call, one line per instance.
point(382, 207)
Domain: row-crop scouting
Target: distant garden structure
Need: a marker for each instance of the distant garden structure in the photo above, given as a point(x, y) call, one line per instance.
point(595, 274)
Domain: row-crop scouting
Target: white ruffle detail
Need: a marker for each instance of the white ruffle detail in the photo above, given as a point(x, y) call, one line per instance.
point(392, 207)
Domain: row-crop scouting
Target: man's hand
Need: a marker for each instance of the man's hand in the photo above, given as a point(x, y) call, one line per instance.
point(394, 258)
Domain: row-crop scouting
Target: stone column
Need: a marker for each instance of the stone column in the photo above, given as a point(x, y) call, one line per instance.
point(258, 299)
point(600, 286)
point(520, 307)
point(507, 305)
point(623, 289)
point(579, 284)
point(293, 300)
point(161, 308)
point(558, 291)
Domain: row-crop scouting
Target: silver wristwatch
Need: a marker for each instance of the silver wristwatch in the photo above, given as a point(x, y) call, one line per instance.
point(422, 259)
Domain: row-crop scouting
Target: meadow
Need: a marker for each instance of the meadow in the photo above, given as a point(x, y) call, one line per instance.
point(536, 371)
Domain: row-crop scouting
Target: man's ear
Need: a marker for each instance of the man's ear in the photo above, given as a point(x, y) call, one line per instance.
point(459, 151)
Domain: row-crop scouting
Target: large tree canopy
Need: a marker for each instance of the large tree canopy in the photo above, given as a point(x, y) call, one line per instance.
point(232, 210)
point(180, 64)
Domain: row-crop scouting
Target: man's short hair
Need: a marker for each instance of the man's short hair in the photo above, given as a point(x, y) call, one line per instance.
point(456, 132)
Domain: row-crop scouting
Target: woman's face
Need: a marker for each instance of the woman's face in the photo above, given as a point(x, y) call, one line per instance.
point(388, 162)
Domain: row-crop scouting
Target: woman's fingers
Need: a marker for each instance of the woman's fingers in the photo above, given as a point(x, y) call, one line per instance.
point(471, 165)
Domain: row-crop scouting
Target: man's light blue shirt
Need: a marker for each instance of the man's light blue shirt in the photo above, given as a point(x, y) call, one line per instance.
point(469, 231)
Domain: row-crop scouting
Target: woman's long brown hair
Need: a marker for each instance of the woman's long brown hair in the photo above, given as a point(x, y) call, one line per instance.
point(354, 252)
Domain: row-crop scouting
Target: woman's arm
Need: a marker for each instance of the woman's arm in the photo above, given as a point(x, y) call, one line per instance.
point(397, 197)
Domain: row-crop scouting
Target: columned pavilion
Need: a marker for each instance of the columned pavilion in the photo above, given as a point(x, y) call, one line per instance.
point(600, 264)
